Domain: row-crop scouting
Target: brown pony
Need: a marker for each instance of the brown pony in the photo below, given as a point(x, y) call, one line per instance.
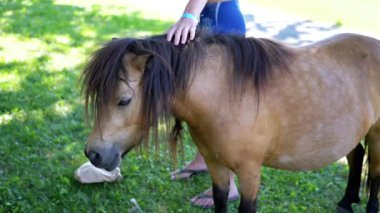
point(248, 103)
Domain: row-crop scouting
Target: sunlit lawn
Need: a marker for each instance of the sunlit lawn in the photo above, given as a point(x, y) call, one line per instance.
point(43, 45)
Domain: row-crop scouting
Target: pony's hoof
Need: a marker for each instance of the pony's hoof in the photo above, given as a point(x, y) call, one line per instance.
point(372, 210)
point(340, 209)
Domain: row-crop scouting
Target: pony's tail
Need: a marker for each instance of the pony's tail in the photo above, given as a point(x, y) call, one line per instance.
point(175, 139)
point(367, 173)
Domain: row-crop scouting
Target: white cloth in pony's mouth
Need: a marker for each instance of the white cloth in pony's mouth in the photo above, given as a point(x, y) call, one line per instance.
point(88, 173)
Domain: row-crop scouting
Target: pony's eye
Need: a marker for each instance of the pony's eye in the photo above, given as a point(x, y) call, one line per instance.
point(124, 102)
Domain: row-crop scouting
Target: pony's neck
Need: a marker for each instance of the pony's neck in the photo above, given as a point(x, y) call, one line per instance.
point(206, 87)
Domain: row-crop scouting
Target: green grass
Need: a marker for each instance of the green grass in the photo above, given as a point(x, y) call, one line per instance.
point(43, 45)
point(360, 16)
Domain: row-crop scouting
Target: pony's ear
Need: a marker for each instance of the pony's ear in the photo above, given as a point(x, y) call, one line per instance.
point(135, 65)
point(137, 62)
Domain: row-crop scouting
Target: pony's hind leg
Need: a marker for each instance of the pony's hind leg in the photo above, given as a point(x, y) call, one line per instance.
point(373, 140)
point(355, 163)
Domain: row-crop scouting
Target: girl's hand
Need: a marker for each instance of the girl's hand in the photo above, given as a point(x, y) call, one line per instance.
point(181, 29)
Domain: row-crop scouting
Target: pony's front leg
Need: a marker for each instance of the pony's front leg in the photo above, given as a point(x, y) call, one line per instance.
point(373, 140)
point(249, 181)
point(220, 176)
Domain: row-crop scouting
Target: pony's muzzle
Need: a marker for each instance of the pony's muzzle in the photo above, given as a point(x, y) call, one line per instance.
point(104, 158)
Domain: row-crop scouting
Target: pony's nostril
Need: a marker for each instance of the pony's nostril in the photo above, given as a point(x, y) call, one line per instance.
point(94, 157)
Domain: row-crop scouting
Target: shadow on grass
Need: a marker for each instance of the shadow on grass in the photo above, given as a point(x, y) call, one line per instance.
point(40, 148)
point(42, 131)
point(295, 32)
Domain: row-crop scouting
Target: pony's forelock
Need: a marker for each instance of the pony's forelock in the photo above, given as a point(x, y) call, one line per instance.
point(101, 76)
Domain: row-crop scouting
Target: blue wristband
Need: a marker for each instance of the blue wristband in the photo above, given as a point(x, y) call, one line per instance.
point(190, 16)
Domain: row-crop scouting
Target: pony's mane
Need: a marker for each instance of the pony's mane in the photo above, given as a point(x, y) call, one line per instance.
point(170, 68)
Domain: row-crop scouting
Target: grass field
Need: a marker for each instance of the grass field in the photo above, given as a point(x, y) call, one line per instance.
point(358, 16)
point(43, 45)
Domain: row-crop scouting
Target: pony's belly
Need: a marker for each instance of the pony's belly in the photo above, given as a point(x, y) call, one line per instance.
point(303, 160)
point(316, 144)
point(298, 164)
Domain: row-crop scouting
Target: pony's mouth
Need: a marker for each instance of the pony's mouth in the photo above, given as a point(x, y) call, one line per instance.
point(114, 163)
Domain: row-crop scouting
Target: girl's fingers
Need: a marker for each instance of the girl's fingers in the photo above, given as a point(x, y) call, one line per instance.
point(192, 32)
point(171, 32)
point(185, 34)
point(177, 35)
